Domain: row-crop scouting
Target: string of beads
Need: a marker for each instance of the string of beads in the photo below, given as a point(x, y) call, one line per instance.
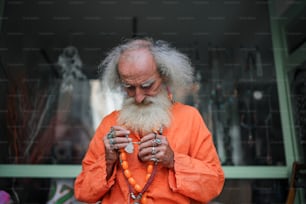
point(137, 188)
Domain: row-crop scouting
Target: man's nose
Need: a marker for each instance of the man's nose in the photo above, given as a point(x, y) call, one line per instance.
point(139, 95)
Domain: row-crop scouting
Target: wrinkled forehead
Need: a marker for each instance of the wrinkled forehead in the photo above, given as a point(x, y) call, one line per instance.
point(137, 65)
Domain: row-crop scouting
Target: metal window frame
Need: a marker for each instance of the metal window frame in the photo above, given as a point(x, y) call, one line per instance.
point(284, 63)
point(71, 171)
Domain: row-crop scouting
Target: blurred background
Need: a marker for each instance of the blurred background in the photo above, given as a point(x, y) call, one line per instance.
point(250, 66)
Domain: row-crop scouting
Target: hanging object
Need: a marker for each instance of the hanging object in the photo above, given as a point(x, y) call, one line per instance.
point(71, 65)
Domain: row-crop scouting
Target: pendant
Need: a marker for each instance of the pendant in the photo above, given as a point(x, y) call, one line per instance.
point(133, 196)
point(129, 148)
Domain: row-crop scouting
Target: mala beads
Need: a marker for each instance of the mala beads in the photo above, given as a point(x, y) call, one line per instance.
point(141, 195)
point(138, 192)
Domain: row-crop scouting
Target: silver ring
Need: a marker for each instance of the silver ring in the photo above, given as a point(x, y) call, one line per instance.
point(155, 135)
point(153, 150)
point(111, 133)
point(154, 159)
point(111, 141)
point(158, 141)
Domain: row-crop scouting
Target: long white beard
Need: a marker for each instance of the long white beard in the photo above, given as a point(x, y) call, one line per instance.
point(148, 116)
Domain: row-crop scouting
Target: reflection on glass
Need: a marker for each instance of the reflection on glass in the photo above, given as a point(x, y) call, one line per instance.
point(238, 99)
point(48, 124)
point(298, 97)
point(253, 191)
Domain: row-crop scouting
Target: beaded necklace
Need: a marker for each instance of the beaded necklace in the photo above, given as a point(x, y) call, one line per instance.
point(137, 193)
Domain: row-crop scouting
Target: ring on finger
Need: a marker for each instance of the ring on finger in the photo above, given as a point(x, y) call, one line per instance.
point(157, 141)
point(112, 141)
point(153, 151)
point(111, 133)
point(154, 159)
point(155, 135)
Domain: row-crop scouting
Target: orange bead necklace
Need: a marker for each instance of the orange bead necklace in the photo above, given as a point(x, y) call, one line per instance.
point(137, 193)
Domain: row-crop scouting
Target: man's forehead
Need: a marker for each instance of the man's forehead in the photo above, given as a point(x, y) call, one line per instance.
point(128, 56)
point(139, 60)
point(135, 54)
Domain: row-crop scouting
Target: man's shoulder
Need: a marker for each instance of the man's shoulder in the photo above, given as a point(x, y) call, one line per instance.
point(112, 115)
point(184, 108)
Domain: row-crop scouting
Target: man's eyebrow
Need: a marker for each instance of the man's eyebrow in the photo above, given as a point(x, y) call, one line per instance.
point(148, 83)
point(145, 84)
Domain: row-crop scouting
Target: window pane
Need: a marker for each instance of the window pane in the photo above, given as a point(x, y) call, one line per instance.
point(254, 191)
point(298, 89)
point(51, 105)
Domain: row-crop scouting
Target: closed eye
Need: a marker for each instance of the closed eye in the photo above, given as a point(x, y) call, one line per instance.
point(147, 85)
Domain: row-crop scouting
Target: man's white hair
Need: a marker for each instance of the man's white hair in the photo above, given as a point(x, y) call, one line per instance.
point(175, 67)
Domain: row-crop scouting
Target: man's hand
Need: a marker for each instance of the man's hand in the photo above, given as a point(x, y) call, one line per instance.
point(154, 147)
point(116, 139)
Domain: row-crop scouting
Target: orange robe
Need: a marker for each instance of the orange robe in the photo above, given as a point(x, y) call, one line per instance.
point(197, 176)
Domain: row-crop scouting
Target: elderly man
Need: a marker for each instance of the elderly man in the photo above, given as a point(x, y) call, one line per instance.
point(153, 150)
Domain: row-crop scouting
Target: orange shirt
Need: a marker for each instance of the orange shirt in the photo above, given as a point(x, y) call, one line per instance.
point(197, 176)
